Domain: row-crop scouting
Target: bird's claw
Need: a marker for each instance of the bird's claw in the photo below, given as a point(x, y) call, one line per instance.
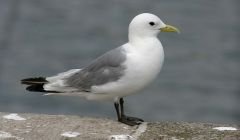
point(132, 121)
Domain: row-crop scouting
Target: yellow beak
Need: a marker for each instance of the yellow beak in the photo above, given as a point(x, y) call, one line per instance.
point(170, 28)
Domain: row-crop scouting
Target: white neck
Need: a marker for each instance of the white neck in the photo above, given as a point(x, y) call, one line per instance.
point(139, 41)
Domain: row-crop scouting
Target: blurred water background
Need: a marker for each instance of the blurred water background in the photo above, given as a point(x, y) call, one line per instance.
point(199, 80)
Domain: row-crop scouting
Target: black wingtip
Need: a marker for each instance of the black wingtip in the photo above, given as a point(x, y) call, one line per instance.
point(39, 88)
point(33, 81)
point(36, 84)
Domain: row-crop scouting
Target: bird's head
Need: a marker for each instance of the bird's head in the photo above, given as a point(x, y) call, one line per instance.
point(148, 25)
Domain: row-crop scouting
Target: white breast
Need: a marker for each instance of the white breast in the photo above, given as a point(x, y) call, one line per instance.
point(143, 65)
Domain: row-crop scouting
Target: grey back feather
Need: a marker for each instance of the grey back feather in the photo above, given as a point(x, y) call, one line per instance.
point(104, 69)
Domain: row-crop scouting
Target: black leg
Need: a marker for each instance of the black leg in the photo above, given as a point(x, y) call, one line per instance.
point(116, 105)
point(126, 119)
point(121, 101)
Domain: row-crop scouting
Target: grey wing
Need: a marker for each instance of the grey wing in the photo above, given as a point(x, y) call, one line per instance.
point(107, 68)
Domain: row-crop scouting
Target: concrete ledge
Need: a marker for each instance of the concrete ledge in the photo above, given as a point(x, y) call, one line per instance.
point(190, 131)
point(64, 127)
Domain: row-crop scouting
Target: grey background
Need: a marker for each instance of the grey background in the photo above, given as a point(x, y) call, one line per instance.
point(199, 80)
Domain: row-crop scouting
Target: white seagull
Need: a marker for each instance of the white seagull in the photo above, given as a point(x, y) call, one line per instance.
point(117, 73)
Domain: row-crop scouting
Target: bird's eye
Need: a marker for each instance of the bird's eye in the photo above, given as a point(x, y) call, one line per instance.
point(151, 23)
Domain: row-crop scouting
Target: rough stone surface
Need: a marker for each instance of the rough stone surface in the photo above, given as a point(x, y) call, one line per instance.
point(50, 127)
point(188, 131)
point(66, 127)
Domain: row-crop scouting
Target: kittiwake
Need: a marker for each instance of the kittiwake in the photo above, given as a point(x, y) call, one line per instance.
point(119, 72)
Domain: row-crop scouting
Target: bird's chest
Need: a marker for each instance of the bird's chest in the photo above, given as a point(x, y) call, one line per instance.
point(144, 64)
